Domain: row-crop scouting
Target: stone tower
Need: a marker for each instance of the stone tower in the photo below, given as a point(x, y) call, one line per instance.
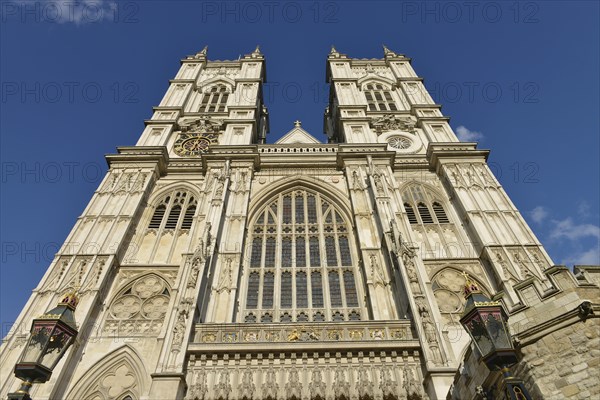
point(211, 265)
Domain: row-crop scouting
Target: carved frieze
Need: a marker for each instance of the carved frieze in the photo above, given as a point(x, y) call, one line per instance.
point(202, 124)
point(390, 122)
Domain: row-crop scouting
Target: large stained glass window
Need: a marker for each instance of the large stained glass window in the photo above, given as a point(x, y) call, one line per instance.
point(300, 259)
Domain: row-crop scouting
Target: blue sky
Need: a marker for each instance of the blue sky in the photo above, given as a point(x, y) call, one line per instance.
point(78, 80)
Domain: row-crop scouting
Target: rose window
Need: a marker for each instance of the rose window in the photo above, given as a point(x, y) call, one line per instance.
point(399, 142)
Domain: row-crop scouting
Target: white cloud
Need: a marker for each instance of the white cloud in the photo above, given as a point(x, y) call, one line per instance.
point(79, 12)
point(590, 257)
point(568, 229)
point(539, 214)
point(466, 135)
point(583, 208)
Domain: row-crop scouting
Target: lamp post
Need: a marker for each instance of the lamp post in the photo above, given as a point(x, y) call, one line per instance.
point(487, 324)
point(51, 335)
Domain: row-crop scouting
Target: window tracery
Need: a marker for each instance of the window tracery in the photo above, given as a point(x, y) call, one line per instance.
point(215, 99)
point(429, 209)
point(172, 207)
point(379, 97)
point(448, 285)
point(300, 264)
point(140, 307)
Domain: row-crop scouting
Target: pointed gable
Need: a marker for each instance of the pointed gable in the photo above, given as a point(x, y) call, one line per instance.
point(298, 135)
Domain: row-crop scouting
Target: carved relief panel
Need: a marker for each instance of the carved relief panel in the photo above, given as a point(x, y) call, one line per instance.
point(139, 308)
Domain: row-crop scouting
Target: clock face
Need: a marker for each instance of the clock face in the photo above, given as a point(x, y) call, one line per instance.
point(193, 144)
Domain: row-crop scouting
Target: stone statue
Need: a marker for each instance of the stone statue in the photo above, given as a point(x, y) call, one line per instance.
point(179, 329)
point(378, 183)
point(357, 183)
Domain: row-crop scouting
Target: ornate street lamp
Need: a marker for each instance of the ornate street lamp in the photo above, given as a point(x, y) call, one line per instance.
point(487, 324)
point(51, 335)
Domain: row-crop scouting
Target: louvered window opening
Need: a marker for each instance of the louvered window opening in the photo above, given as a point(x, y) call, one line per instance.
point(215, 99)
point(379, 98)
point(169, 214)
point(422, 207)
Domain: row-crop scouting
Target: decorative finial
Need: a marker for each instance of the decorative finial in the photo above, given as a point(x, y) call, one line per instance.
point(333, 50)
point(470, 286)
point(297, 124)
point(199, 55)
point(255, 54)
point(70, 299)
point(387, 52)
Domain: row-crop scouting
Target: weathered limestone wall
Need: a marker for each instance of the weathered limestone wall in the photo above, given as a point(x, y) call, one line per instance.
point(564, 364)
point(557, 332)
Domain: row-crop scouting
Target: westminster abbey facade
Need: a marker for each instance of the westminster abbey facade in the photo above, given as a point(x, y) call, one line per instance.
point(211, 265)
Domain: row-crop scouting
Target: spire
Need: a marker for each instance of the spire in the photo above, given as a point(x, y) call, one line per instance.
point(199, 55)
point(388, 53)
point(333, 53)
point(255, 54)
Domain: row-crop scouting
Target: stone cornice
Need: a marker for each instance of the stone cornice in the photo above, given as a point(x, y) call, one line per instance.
point(409, 79)
point(231, 153)
point(185, 165)
point(410, 161)
point(202, 61)
point(420, 120)
point(167, 108)
point(360, 151)
point(440, 152)
point(159, 122)
point(183, 80)
point(140, 155)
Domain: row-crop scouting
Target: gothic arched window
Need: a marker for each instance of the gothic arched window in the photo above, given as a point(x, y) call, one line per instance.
point(300, 262)
point(379, 98)
point(429, 209)
point(169, 213)
point(214, 99)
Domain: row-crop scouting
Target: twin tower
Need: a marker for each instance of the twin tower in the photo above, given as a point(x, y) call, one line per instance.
point(211, 265)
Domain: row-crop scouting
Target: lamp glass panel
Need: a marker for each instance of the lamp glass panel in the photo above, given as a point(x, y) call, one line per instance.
point(497, 329)
point(57, 344)
point(40, 334)
point(480, 335)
